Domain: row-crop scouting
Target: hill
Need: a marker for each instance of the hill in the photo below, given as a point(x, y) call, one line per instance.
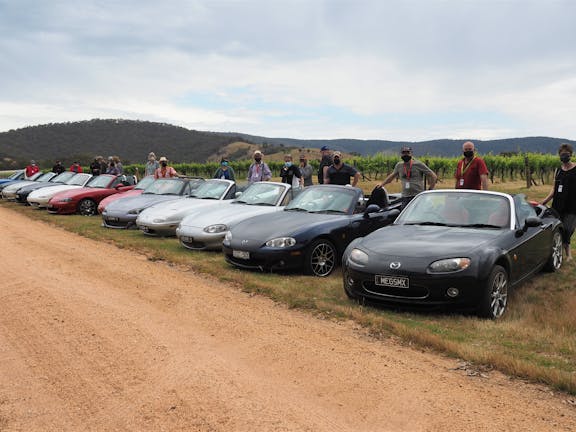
point(132, 140)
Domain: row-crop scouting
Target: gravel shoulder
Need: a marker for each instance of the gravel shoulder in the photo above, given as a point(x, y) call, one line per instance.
point(93, 337)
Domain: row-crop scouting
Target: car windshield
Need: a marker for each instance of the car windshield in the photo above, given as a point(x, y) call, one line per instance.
point(463, 209)
point(323, 200)
point(211, 189)
point(34, 177)
point(63, 177)
point(45, 177)
point(261, 193)
point(165, 187)
point(144, 183)
point(99, 182)
point(15, 175)
point(78, 179)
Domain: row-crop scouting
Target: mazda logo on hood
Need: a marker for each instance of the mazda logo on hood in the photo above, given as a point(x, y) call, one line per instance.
point(395, 265)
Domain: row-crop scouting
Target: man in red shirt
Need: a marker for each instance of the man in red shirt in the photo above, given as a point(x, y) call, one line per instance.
point(31, 169)
point(471, 171)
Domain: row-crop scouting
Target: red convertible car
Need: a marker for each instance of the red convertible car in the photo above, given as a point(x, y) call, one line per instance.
point(85, 200)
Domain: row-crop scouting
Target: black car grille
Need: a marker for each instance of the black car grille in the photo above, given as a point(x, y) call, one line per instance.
point(193, 244)
point(414, 292)
point(119, 224)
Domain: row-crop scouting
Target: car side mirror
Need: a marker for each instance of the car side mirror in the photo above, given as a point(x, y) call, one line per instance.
point(531, 222)
point(393, 214)
point(372, 208)
point(237, 194)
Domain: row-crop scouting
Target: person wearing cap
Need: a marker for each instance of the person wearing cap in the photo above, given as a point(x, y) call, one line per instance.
point(471, 171)
point(76, 167)
point(325, 162)
point(259, 170)
point(31, 169)
point(306, 171)
point(340, 173)
point(411, 172)
point(290, 173)
point(224, 171)
point(151, 164)
point(165, 171)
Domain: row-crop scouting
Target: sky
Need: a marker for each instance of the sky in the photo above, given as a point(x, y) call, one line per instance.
point(408, 70)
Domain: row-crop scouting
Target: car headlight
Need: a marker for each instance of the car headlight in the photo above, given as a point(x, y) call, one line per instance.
point(65, 200)
point(158, 220)
point(218, 228)
point(359, 257)
point(449, 265)
point(281, 242)
point(134, 211)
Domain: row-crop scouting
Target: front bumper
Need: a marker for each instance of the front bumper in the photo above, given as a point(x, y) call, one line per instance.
point(267, 259)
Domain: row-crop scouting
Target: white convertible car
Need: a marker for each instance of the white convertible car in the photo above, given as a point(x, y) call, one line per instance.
point(204, 229)
point(39, 198)
point(163, 218)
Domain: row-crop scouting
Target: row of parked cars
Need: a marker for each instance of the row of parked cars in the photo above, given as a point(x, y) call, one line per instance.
point(458, 248)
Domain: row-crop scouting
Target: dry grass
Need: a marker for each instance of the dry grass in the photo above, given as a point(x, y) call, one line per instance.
point(536, 340)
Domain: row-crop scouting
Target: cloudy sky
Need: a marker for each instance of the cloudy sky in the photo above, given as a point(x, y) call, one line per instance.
point(370, 69)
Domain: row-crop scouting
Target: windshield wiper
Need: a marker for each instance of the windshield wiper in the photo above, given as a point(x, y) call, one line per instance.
point(329, 211)
point(427, 223)
point(214, 198)
point(239, 202)
point(479, 225)
point(299, 209)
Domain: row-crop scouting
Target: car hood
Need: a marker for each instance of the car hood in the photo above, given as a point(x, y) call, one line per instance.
point(141, 201)
point(34, 186)
point(180, 208)
point(13, 187)
point(227, 215)
point(426, 241)
point(285, 223)
point(51, 190)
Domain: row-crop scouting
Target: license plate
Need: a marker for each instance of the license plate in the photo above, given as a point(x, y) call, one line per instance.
point(392, 281)
point(241, 254)
point(187, 239)
point(112, 219)
point(144, 228)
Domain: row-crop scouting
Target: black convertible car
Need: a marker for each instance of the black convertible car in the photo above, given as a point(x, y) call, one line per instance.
point(455, 248)
point(310, 234)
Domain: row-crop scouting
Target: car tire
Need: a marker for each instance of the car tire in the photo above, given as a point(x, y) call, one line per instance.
point(554, 261)
point(494, 299)
point(321, 258)
point(87, 207)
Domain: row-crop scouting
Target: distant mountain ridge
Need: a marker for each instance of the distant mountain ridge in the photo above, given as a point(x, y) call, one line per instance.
point(132, 140)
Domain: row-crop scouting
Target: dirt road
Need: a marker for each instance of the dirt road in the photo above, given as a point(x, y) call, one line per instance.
point(95, 338)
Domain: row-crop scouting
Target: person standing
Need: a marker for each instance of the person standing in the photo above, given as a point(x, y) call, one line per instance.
point(118, 164)
point(151, 164)
point(259, 170)
point(290, 173)
point(76, 167)
point(225, 171)
point(340, 173)
point(95, 167)
point(471, 171)
point(58, 168)
point(563, 194)
point(325, 163)
point(411, 173)
point(31, 169)
point(165, 171)
point(306, 171)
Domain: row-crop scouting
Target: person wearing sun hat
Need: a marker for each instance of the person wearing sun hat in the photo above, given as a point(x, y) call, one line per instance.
point(258, 171)
point(151, 164)
point(165, 171)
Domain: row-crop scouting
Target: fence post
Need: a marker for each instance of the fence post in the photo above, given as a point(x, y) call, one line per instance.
point(527, 172)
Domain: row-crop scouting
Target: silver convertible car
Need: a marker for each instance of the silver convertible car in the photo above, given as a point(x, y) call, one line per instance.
point(163, 219)
point(123, 212)
point(204, 229)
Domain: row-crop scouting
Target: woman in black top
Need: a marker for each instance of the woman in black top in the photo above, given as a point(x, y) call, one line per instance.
point(563, 194)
